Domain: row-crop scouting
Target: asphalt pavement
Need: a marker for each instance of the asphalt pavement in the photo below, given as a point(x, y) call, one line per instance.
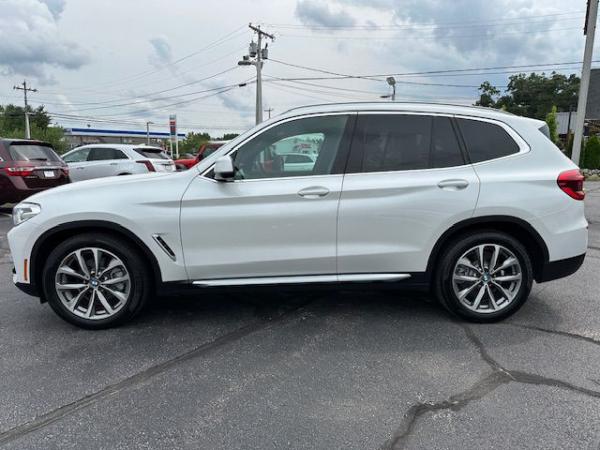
point(362, 368)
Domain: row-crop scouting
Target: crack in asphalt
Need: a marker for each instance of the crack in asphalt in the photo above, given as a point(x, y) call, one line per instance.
point(557, 332)
point(486, 385)
point(265, 321)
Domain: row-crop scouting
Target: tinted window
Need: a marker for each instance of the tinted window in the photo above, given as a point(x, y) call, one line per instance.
point(405, 142)
point(32, 152)
point(103, 154)
point(486, 140)
point(151, 153)
point(77, 156)
point(264, 156)
point(298, 159)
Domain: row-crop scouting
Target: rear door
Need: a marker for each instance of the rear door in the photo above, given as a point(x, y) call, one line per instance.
point(104, 162)
point(77, 162)
point(407, 182)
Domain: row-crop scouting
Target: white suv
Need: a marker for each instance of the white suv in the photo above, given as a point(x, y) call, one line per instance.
point(473, 203)
point(108, 160)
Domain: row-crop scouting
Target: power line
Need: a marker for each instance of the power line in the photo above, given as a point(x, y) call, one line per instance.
point(439, 25)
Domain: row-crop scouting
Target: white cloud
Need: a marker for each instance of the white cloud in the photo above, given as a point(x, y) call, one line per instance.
point(314, 13)
point(30, 42)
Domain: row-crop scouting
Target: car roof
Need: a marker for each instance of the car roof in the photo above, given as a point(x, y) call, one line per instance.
point(119, 146)
point(444, 108)
point(9, 141)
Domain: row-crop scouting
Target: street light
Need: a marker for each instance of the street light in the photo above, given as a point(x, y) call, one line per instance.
point(148, 132)
point(392, 82)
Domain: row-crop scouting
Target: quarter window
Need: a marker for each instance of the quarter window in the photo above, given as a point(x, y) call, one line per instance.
point(77, 156)
point(485, 140)
point(392, 142)
point(268, 154)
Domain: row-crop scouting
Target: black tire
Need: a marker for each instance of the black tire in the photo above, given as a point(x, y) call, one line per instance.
point(140, 289)
point(443, 286)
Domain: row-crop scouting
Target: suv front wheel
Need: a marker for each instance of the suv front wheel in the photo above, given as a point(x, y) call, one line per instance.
point(484, 277)
point(95, 281)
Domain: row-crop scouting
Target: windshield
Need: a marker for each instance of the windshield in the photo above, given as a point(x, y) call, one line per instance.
point(152, 153)
point(32, 152)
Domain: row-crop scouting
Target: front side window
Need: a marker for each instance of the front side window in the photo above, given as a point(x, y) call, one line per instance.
point(77, 156)
point(485, 140)
point(394, 142)
point(267, 155)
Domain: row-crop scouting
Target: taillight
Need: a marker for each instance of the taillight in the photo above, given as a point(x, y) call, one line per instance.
point(148, 165)
point(19, 171)
point(571, 183)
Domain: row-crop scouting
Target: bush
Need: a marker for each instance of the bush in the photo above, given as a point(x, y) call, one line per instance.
point(591, 155)
point(552, 123)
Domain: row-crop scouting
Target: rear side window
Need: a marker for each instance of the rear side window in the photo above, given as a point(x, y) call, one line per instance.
point(32, 152)
point(405, 142)
point(151, 153)
point(104, 154)
point(486, 140)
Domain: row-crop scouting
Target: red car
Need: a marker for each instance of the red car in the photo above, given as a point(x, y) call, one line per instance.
point(27, 167)
point(204, 151)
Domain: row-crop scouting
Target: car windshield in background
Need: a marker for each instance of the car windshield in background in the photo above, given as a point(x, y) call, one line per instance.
point(210, 150)
point(152, 153)
point(32, 152)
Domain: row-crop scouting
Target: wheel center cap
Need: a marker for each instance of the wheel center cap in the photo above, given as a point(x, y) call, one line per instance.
point(94, 282)
point(486, 277)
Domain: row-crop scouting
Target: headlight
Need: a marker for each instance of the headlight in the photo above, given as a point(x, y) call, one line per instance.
point(25, 211)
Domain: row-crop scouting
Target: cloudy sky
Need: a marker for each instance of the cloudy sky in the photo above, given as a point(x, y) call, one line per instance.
point(119, 63)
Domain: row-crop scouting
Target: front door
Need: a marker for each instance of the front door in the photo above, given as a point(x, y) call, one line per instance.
point(270, 221)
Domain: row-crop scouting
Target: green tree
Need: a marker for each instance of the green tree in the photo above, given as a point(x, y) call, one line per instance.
point(12, 125)
point(532, 95)
point(552, 124)
point(228, 136)
point(591, 155)
point(488, 95)
point(192, 142)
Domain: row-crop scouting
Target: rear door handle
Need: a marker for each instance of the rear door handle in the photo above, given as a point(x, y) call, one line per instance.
point(313, 192)
point(453, 185)
point(113, 164)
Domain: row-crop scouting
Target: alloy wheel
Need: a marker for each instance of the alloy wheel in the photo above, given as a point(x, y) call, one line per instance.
point(487, 278)
point(93, 283)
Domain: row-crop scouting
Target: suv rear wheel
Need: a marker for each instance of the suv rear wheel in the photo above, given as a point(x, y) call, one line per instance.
point(484, 277)
point(95, 281)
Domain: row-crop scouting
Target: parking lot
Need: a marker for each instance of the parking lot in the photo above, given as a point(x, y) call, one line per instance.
point(361, 368)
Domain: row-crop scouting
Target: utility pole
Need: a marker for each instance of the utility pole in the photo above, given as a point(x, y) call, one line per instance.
point(148, 132)
point(259, 54)
point(589, 31)
point(269, 110)
point(25, 89)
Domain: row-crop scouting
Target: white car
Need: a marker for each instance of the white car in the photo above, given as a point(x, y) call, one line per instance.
point(107, 160)
point(471, 203)
point(299, 162)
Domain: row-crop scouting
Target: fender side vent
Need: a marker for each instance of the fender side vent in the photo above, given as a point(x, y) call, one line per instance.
point(161, 242)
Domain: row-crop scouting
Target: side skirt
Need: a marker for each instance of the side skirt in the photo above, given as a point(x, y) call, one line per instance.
point(345, 278)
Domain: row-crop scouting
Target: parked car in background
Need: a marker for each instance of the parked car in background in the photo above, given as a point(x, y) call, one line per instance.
point(27, 167)
point(470, 203)
point(107, 160)
point(298, 162)
point(205, 150)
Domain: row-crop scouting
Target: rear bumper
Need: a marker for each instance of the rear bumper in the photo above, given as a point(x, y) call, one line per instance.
point(561, 268)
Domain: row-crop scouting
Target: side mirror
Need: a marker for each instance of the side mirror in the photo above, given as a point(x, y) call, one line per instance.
point(224, 168)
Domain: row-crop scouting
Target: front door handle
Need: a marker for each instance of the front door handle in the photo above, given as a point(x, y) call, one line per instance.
point(313, 192)
point(453, 185)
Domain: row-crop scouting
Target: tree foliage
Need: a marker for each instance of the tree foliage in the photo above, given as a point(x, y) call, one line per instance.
point(591, 155)
point(192, 142)
point(12, 125)
point(552, 123)
point(532, 95)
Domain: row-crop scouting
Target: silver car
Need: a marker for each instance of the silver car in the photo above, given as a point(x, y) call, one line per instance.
point(107, 160)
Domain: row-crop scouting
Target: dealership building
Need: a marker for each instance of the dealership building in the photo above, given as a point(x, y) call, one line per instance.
point(81, 136)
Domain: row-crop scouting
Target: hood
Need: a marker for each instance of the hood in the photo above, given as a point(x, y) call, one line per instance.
point(98, 186)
